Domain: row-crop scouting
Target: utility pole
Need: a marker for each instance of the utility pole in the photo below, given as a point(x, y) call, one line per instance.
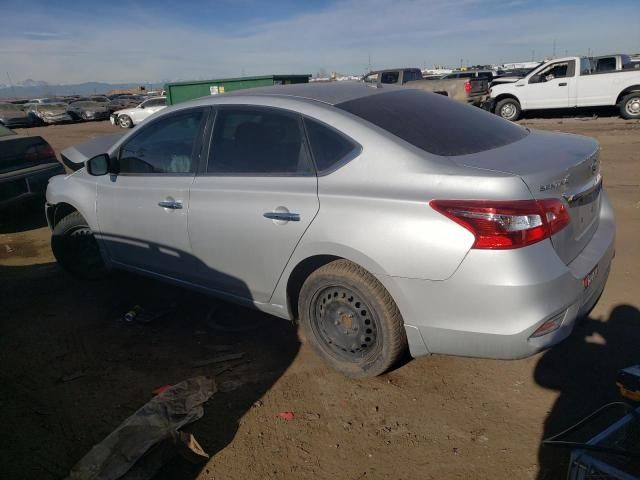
point(554, 48)
point(589, 52)
point(369, 64)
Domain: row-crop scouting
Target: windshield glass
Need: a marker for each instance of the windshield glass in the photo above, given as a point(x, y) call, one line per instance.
point(434, 123)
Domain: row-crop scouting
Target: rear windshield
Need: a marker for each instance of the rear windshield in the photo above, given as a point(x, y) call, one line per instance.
point(435, 123)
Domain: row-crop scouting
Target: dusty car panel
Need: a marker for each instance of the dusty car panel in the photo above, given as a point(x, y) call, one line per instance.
point(474, 91)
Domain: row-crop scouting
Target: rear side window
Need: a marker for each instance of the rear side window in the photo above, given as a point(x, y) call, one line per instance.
point(330, 149)
point(435, 123)
point(410, 75)
point(389, 77)
point(258, 141)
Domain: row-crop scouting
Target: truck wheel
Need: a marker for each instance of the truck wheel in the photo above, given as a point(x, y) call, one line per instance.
point(630, 106)
point(350, 319)
point(509, 109)
point(125, 121)
point(76, 249)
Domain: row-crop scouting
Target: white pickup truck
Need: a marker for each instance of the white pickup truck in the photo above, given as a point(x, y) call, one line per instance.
point(567, 83)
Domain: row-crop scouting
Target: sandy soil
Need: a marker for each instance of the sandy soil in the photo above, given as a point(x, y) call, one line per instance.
point(71, 369)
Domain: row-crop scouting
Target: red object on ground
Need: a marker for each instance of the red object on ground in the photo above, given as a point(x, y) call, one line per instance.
point(288, 416)
point(161, 389)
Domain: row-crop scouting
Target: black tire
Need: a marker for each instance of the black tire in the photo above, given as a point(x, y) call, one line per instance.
point(124, 121)
point(350, 319)
point(76, 249)
point(509, 109)
point(630, 106)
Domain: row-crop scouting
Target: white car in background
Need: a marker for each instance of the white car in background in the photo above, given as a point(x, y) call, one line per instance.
point(129, 117)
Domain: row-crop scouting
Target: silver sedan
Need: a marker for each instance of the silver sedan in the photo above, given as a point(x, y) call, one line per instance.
point(379, 219)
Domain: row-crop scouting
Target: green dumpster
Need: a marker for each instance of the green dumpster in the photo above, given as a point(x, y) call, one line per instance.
point(182, 91)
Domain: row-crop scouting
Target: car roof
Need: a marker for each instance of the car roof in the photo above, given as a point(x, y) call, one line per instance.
point(331, 93)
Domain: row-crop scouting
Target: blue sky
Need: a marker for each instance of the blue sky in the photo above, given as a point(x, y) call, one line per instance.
point(66, 41)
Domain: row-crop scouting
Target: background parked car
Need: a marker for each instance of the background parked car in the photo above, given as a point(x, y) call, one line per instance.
point(88, 110)
point(48, 113)
point(26, 165)
point(120, 102)
point(13, 115)
point(129, 117)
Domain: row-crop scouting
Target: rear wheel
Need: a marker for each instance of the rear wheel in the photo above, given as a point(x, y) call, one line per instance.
point(125, 121)
point(509, 109)
point(630, 106)
point(351, 320)
point(76, 249)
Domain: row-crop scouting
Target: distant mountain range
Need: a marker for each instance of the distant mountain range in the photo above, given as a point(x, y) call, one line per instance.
point(38, 88)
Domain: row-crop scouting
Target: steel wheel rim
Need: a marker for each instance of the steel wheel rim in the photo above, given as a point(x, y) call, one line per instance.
point(633, 106)
point(508, 111)
point(345, 324)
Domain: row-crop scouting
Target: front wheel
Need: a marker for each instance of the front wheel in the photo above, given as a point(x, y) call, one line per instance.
point(509, 109)
point(351, 320)
point(76, 249)
point(630, 106)
point(125, 121)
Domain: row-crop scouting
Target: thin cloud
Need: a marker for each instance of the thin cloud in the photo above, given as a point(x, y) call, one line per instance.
point(143, 46)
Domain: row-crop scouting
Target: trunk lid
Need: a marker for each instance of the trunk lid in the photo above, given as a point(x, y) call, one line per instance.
point(554, 165)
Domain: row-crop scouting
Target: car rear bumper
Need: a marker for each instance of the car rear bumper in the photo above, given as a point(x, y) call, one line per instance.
point(496, 300)
point(27, 182)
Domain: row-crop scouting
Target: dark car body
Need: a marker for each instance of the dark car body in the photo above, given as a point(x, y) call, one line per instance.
point(13, 116)
point(121, 102)
point(26, 165)
point(88, 110)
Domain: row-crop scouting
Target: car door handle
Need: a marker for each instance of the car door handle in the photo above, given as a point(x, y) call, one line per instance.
point(172, 204)
point(284, 216)
point(563, 84)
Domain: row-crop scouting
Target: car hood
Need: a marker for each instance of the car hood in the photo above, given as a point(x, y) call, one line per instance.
point(75, 157)
point(126, 111)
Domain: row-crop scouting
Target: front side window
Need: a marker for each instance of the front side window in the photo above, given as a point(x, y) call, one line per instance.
point(389, 77)
point(557, 70)
point(258, 141)
point(371, 78)
point(329, 148)
point(167, 145)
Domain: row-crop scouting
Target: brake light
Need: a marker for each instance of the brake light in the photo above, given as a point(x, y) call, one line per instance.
point(506, 224)
point(40, 152)
point(467, 86)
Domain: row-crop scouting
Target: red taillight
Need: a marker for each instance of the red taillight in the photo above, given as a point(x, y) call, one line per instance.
point(467, 86)
point(506, 224)
point(40, 152)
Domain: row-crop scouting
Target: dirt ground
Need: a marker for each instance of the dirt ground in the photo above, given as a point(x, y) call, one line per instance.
point(71, 369)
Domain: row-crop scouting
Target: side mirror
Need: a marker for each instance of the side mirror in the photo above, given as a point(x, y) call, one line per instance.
point(100, 165)
point(534, 79)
